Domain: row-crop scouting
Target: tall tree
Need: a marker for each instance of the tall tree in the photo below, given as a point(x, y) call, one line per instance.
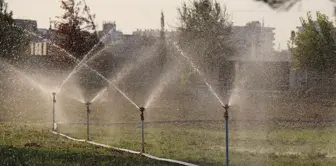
point(13, 39)
point(74, 28)
point(76, 33)
point(314, 45)
point(205, 30)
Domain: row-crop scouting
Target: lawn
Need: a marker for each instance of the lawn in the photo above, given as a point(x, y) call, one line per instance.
point(55, 150)
point(203, 143)
point(276, 132)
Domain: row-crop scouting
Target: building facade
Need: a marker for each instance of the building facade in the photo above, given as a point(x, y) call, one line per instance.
point(110, 33)
point(256, 66)
point(254, 41)
point(29, 25)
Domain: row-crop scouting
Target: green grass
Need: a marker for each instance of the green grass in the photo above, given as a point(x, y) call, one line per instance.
point(55, 150)
point(196, 143)
point(204, 143)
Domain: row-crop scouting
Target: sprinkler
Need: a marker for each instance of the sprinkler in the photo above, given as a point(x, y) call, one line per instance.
point(88, 121)
point(53, 112)
point(226, 113)
point(226, 116)
point(142, 110)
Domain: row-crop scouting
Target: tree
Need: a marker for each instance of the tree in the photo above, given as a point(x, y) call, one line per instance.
point(5, 16)
point(76, 33)
point(314, 45)
point(13, 39)
point(73, 28)
point(205, 31)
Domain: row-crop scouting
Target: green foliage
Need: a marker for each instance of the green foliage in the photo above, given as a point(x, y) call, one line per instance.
point(76, 33)
point(73, 28)
point(13, 39)
point(56, 150)
point(206, 30)
point(5, 16)
point(189, 141)
point(314, 46)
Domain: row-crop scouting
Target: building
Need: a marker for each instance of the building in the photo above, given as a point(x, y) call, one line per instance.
point(108, 26)
point(152, 33)
point(147, 32)
point(110, 33)
point(254, 41)
point(256, 66)
point(39, 48)
point(29, 25)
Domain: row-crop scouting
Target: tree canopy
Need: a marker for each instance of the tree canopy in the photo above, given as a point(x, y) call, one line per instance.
point(13, 39)
point(205, 30)
point(76, 33)
point(5, 16)
point(74, 28)
point(314, 45)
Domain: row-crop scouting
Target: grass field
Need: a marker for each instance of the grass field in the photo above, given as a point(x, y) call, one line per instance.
point(203, 143)
point(285, 131)
point(55, 150)
point(194, 143)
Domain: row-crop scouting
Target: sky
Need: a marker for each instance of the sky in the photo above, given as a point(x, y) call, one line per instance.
point(130, 15)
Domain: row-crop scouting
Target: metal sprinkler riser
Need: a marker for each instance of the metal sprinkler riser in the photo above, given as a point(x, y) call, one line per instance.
point(88, 121)
point(53, 112)
point(142, 110)
point(226, 116)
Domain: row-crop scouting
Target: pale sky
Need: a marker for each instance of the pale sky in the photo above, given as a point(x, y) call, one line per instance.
point(145, 14)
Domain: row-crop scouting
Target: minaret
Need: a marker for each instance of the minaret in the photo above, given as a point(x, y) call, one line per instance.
point(50, 24)
point(262, 38)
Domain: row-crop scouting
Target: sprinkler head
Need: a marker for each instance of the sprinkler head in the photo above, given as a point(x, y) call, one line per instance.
point(142, 109)
point(226, 113)
point(54, 98)
point(88, 107)
point(226, 107)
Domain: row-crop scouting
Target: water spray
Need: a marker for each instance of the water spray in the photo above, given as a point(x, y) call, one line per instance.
point(199, 73)
point(53, 112)
point(142, 110)
point(88, 121)
point(226, 116)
